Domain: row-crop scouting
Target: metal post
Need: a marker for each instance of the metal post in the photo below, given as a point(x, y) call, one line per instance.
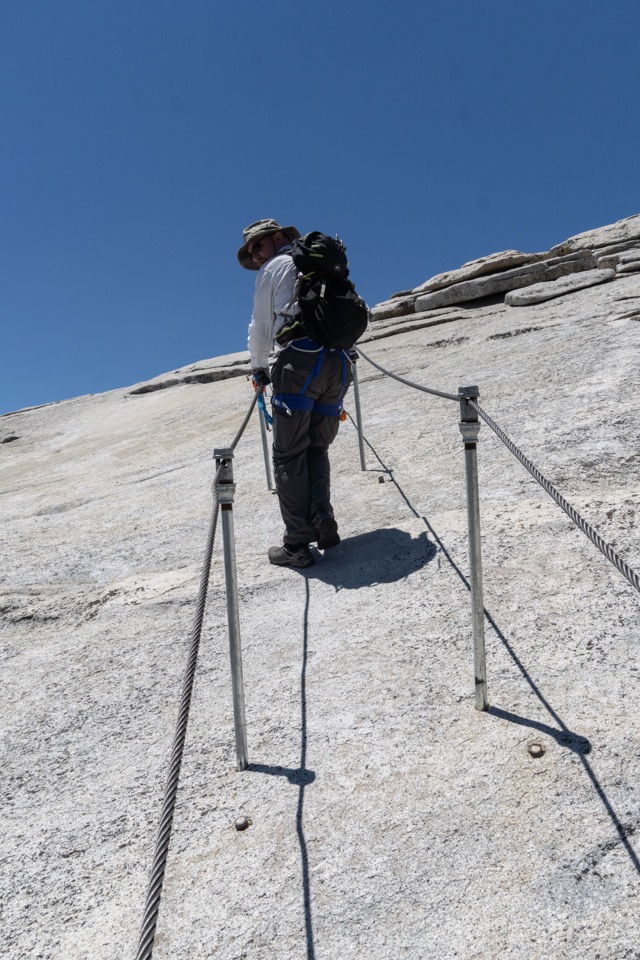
point(225, 488)
point(265, 449)
point(470, 427)
point(356, 397)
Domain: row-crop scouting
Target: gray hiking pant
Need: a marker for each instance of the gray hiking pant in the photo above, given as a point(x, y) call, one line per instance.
point(301, 438)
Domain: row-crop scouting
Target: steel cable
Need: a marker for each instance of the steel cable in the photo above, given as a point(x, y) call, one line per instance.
point(154, 891)
point(156, 879)
point(245, 421)
point(605, 548)
point(593, 535)
point(408, 383)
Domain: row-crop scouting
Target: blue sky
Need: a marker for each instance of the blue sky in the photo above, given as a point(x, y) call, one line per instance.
point(139, 137)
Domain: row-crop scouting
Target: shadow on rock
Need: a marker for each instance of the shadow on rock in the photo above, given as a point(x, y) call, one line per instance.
point(381, 556)
point(563, 736)
point(295, 775)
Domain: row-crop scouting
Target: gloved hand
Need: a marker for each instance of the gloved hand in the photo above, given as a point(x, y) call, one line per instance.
point(260, 378)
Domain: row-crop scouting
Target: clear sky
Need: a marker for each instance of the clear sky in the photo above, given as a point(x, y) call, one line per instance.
point(138, 138)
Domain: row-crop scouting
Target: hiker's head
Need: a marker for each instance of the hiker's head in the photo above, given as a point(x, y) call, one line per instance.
point(262, 241)
point(267, 247)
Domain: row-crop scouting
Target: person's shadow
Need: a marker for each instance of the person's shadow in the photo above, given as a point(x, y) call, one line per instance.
point(379, 556)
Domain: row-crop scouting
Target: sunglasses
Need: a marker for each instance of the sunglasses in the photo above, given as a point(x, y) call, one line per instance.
point(257, 246)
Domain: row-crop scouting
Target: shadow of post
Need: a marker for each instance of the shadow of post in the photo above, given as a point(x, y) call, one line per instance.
point(563, 736)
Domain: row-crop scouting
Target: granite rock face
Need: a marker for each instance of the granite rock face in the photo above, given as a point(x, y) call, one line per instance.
point(617, 258)
point(495, 263)
point(383, 810)
point(544, 270)
point(539, 292)
point(615, 246)
point(621, 232)
point(398, 307)
point(630, 266)
point(626, 261)
point(205, 371)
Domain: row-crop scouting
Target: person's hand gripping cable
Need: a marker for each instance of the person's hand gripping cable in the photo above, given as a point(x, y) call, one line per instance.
point(260, 378)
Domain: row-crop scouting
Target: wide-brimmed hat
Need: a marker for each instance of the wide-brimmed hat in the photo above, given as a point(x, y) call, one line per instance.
point(261, 228)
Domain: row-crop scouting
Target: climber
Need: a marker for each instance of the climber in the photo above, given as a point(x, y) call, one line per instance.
point(309, 382)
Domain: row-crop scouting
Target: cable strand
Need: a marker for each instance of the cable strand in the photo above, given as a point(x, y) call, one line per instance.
point(156, 879)
point(245, 421)
point(408, 383)
point(154, 892)
point(605, 548)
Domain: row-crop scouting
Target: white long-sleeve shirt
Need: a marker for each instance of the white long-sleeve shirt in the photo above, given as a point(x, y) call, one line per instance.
point(272, 299)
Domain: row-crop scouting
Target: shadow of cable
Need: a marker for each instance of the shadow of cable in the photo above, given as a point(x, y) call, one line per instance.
point(306, 888)
point(300, 777)
point(562, 734)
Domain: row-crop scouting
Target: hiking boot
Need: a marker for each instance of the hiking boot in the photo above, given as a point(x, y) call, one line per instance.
point(287, 556)
point(327, 530)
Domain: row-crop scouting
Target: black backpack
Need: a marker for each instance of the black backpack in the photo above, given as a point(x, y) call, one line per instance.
point(328, 309)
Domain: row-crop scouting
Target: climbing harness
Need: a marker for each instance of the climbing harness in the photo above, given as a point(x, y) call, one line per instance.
point(300, 401)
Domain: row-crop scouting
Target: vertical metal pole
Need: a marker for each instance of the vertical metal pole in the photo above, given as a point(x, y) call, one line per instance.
point(470, 428)
point(265, 449)
point(356, 397)
point(226, 488)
